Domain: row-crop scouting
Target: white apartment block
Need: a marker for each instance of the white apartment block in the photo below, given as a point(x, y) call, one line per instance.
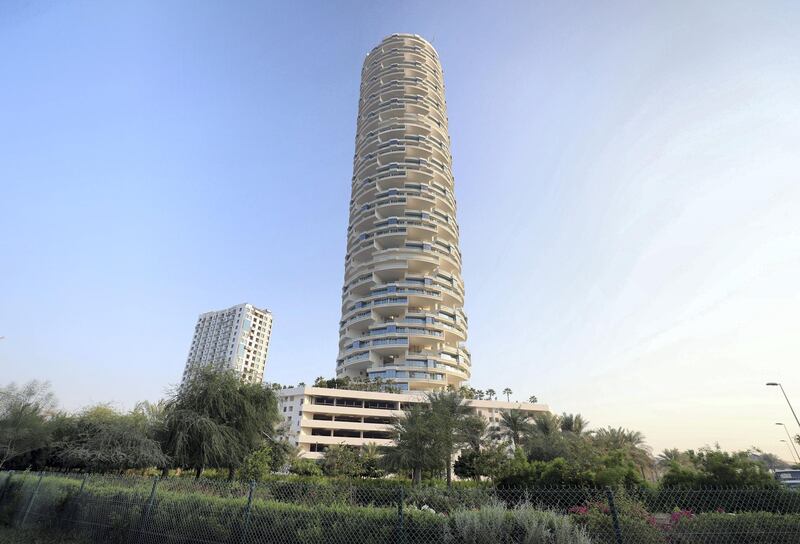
point(236, 338)
point(317, 417)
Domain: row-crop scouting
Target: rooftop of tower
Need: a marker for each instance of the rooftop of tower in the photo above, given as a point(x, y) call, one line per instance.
point(403, 35)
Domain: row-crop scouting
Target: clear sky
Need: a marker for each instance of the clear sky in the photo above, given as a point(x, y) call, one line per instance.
point(626, 173)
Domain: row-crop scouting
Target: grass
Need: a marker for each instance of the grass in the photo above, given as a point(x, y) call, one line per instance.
point(9, 535)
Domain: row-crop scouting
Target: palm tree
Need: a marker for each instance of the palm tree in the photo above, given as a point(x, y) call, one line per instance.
point(507, 392)
point(414, 447)
point(514, 425)
point(491, 394)
point(448, 412)
point(532, 399)
point(632, 443)
point(573, 423)
point(546, 424)
point(669, 456)
point(479, 394)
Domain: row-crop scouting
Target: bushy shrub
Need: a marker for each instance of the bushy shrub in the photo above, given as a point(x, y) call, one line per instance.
point(716, 468)
point(495, 524)
point(721, 528)
point(635, 522)
point(305, 467)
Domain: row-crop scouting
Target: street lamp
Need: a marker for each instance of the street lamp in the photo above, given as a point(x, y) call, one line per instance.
point(787, 445)
point(790, 440)
point(773, 384)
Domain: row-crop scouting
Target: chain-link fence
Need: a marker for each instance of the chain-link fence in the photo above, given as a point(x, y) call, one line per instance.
point(138, 510)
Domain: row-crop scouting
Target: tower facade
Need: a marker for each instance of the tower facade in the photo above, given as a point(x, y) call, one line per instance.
point(403, 297)
point(235, 339)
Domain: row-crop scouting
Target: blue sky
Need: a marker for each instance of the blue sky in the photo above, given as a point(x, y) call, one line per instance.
point(626, 172)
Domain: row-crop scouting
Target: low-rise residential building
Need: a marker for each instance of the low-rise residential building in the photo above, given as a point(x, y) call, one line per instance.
point(317, 417)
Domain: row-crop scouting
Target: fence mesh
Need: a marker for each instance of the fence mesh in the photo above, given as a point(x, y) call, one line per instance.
point(140, 510)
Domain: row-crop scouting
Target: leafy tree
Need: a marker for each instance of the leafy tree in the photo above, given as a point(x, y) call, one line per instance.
point(492, 461)
point(491, 394)
point(631, 443)
point(473, 431)
point(716, 468)
point(257, 466)
point(414, 448)
point(448, 414)
point(508, 392)
point(341, 460)
point(100, 439)
point(532, 399)
point(216, 420)
point(24, 413)
point(466, 466)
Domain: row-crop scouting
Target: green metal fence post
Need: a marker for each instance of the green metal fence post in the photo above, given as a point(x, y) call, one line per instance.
point(33, 498)
point(6, 486)
point(400, 525)
point(614, 518)
point(246, 522)
point(148, 509)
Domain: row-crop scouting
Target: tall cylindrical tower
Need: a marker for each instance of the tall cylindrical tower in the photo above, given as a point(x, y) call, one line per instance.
point(403, 298)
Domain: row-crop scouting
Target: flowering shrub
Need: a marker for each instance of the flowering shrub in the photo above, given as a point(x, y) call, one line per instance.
point(635, 522)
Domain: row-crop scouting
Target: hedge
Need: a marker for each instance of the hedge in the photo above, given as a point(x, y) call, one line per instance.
point(750, 527)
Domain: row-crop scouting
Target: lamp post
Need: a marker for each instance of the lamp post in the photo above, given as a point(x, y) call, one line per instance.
point(790, 449)
point(790, 440)
point(773, 384)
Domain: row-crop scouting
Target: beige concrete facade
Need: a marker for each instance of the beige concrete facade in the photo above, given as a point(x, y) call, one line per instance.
point(403, 297)
point(318, 417)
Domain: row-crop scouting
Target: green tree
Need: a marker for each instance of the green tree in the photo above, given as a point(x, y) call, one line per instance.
point(257, 466)
point(631, 443)
point(716, 468)
point(474, 432)
point(666, 458)
point(341, 460)
point(466, 466)
point(305, 467)
point(100, 439)
point(371, 461)
point(448, 414)
point(414, 443)
point(508, 392)
point(514, 425)
point(216, 420)
point(24, 414)
point(532, 399)
point(573, 423)
point(491, 394)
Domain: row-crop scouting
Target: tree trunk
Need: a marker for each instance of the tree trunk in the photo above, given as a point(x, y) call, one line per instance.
point(449, 473)
point(416, 476)
point(198, 472)
point(164, 472)
point(231, 473)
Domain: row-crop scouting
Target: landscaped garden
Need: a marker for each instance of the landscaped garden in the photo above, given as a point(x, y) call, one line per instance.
point(209, 464)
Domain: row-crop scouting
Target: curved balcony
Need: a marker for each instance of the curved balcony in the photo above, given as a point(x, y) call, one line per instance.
point(403, 295)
